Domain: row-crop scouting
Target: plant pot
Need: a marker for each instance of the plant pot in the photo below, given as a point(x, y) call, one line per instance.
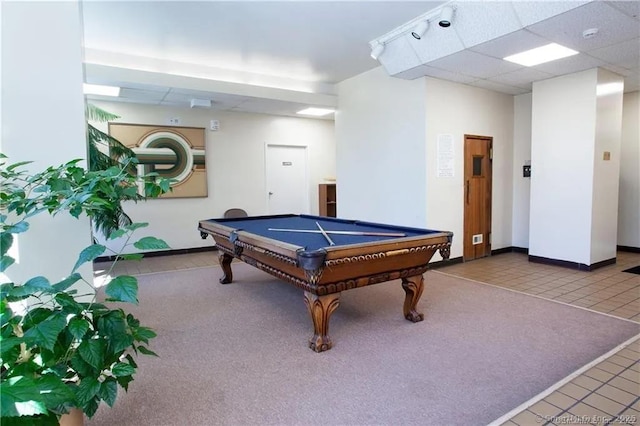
point(75, 417)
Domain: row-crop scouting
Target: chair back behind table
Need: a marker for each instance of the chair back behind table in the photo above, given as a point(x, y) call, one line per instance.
point(235, 213)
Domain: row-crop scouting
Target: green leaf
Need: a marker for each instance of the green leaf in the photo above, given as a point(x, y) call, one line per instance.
point(7, 344)
point(67, 282)
point(54, 391)
point(92, 351)
point(89, 254)
point(69, 303)
point(41, 188)
point(18, 164)
point(46, 333)
point(112, 324)
point(150, 243)
point(90, 407)
point(5, 262)
point(6, 240)
point(18, 228)
point(39, 282)
point(144, 334)
point(146, 351)
point(120, 342)
point(136, 225)
point(20, 397)
point(82, 367)
point(122, 369)
point(123, 288)
point(116, 234)
point(109, 391)
point(124, 381)
point(78, 327)
point(31, 287)
point(87, 389)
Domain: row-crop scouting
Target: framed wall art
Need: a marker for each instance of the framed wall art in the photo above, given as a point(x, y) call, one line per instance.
point(176, 153)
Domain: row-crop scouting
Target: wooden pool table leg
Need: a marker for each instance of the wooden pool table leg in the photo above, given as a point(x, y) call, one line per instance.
point(413, 287)
point(225, 262)
point(320, 308)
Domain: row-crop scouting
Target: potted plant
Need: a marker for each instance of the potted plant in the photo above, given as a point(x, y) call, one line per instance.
point(61, 349)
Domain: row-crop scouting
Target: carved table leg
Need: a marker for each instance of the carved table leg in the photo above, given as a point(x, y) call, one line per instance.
point(320, 308)
point(413, 287)
point(225, 262)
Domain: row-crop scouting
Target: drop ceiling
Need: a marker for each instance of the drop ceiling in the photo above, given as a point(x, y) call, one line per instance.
point(280, 57)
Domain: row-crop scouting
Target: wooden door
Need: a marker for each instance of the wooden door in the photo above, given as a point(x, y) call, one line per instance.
point(477, 196)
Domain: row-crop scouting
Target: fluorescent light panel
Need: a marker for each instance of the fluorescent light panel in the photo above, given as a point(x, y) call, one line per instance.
point(316, 111)
point(97, 89)
point(540, 55)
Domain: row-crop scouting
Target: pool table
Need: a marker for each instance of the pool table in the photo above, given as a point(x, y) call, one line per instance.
point(325, 256)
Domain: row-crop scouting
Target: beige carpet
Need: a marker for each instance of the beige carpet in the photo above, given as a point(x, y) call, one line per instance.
point(237, 354)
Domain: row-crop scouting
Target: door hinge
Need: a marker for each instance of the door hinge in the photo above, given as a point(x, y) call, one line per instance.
point(489, 238)
point(491, 153)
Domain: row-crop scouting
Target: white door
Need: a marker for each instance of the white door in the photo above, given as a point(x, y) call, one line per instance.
point(287, 187)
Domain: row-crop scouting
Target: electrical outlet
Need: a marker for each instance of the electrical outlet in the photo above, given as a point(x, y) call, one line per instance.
point(174, 121)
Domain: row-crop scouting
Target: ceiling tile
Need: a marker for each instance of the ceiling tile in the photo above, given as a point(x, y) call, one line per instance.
point(566, 29)
point(474, 64)
point(625, 54)
point(521, 78)
point(510, 44)
point(145, 95)
point(470, 16)
point(570, 65)
point(630, 8)
point(530, 12)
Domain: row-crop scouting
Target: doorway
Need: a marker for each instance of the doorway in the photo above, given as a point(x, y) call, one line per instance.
point(287, 179)
point(477, 196)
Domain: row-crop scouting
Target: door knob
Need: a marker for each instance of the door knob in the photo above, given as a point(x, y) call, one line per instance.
point(270, 193)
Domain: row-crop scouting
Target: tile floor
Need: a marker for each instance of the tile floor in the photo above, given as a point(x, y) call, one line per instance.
point(606, 393)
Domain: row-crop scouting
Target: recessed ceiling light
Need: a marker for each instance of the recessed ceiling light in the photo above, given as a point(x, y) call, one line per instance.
point(97, 89)
point(540, 55)
point(316, 111)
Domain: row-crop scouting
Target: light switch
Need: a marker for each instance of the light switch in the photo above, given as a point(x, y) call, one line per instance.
point(606, 156)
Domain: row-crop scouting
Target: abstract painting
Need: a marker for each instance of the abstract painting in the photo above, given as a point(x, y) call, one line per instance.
point(176, 153)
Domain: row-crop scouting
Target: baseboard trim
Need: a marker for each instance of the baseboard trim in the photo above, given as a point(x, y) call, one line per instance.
point(510, 249)
point(628, 249)
point(571, 265)
point(443, 263)
point(162, 253)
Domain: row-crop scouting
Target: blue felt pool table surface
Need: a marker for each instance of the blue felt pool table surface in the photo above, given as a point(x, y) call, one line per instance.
point(259, 225)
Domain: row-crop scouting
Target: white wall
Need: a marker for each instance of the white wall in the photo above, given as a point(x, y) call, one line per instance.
point(562, 159)
point(387, 131)
point(521, 185)
point(606, 173)
point(43, 121)
point(458, 109)
point(235, 166)
point(380, 133)
point(629, 200)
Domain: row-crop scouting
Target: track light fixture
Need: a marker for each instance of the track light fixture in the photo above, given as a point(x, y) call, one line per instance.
point(445, 17)
point(417, 27)
point(420, 29)
point(377, 50)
